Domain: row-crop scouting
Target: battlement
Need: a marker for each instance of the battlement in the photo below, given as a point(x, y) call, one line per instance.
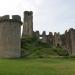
point(28, 13)
point(15, 18)
point(71, 29)
point(28, 23)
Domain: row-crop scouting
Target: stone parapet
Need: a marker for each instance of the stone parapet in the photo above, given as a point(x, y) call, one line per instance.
point(15, 18)
point(28, 12)
point(10, 43)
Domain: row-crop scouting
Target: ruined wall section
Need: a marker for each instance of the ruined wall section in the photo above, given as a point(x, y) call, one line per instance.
point(57, 40)
point(44, 37)
point(28, 24)
point(36, 34)
point(10, 36)
point(72, 40)
point(50, 39)
point(68, 42)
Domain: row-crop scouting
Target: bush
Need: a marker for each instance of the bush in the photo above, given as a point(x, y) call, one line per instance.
point(34, 47)
point(61, 51)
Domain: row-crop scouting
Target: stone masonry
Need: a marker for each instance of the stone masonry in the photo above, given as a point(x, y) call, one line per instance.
point(66, 40)
point(72, 40)
point(44, 37)
point(10, 36)
point(57, 40)
point(28, 24)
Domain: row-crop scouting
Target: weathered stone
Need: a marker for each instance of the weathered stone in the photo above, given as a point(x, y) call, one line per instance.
point(28, 24)
point(72, 40)
point(10, 38)
point(5, 17)
point(37, 34)
point(57, 40)
point(44, 37)
point(67, 41)
point(50, 38)
point(16, 17)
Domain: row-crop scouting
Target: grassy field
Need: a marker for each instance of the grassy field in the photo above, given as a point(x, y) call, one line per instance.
point(44, 66)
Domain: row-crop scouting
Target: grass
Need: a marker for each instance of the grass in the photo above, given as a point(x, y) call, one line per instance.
point(37, 66)
point(32, 47)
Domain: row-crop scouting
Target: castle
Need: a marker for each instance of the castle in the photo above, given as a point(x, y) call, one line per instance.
point(10, 36)
point(66, 40)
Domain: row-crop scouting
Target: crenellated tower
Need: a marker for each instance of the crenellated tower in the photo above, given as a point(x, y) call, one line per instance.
point(28, 24)
point(10, 29)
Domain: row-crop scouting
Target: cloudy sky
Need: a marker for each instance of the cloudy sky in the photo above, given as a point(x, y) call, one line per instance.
point(49, 15)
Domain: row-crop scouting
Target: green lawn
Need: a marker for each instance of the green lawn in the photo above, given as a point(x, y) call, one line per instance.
point(44, 66)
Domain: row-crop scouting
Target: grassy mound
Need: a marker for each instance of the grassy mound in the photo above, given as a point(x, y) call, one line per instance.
point(32, 47)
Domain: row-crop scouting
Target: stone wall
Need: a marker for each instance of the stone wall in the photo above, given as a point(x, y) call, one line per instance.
point(57, 40)
point(10, 36)
point(10, 32)
point(50, 39)
point(66, 40)
point(44, 37)
point(28, 24)
point(72, 41)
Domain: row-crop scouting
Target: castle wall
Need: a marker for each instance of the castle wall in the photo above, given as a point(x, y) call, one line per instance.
point(44, 37)
point(72, 39)
point(57, 40)
point(10, 36)
point(50, 39)
point(10, 32)
point(66, 41)
point(36, 34)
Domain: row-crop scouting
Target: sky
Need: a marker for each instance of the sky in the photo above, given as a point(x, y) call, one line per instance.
point(48, 15)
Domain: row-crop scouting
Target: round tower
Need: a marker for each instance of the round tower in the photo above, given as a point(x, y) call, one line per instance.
point(28, 24)
point(10, 36)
